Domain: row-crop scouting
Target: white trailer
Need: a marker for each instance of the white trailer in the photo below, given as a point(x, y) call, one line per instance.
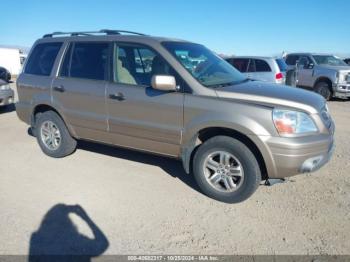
point(10, 58)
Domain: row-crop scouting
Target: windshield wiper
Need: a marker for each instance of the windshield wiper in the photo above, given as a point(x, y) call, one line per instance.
point(229, 83)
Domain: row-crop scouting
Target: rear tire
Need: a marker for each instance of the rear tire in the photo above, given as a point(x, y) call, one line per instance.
point(291, 78)
point(323, 89)
point(244, 170)
point(53, 136)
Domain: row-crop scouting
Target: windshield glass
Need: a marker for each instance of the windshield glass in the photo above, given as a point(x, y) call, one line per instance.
point(281, 64)
point(205, 66)
point(328, 60)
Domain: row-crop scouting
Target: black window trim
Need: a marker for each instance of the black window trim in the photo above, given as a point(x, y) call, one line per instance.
point(53, 66)
point(251, 62)
point(72, 43)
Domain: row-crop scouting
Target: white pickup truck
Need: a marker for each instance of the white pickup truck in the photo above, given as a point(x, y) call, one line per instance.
point(326, 74)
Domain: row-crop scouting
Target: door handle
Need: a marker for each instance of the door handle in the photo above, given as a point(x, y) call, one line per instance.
point(59, 89)
point(118, 96)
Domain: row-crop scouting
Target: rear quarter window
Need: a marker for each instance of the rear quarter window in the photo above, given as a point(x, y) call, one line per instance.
point(262, 66)
point(42, 59)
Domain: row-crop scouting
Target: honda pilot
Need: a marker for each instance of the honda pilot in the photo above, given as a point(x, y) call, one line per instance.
point(174, 98)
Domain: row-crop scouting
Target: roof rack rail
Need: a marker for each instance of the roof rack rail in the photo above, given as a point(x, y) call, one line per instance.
point(89, 33)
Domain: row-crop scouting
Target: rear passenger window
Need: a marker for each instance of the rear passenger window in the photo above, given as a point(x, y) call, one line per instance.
point(240, 64)
point(262, 66)
point(292, 59)
point(88, 60)
point(42, 59)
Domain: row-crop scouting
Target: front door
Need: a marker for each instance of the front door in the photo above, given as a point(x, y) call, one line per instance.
point(139, 116)
point(79, 90)
point(305, 72)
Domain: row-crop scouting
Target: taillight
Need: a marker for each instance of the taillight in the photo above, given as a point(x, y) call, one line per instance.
point(279, 76)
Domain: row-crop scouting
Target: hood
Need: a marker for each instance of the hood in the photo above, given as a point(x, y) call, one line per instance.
point(274, 95)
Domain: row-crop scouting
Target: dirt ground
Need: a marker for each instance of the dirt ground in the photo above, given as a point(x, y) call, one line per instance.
point(136, 203)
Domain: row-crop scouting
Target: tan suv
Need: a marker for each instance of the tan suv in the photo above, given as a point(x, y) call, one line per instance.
point(174, 98)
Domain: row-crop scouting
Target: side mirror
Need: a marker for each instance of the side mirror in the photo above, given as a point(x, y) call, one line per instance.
point(164, 83)
point(309, 66)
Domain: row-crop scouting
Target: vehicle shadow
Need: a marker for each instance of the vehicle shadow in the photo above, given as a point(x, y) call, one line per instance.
point(171, 166)
point(7, 109)
point(58, 238)
point(339, 100)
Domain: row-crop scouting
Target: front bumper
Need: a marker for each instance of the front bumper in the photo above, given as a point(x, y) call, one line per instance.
point(342, 90)
point(6, 97)
point(292, 156)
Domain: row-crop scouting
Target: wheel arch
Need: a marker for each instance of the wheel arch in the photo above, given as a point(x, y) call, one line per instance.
point(326, 80)
point(208, 132)
point(42, 108)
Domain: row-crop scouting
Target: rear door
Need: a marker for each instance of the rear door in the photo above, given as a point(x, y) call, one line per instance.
point(139, 116)
point(79, 89)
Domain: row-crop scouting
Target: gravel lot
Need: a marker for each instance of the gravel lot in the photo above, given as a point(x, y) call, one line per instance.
point(143, 204)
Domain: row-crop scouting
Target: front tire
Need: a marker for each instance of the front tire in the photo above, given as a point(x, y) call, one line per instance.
point(323, 89)
point(53, 136)
point(226, 170)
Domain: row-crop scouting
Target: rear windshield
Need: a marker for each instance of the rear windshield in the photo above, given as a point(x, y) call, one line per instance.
point(42, 59)
point(281, 64)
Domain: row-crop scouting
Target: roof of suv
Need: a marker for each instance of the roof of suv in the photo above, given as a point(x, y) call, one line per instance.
point(307, 54)
point(105, 35)
point(252, 57)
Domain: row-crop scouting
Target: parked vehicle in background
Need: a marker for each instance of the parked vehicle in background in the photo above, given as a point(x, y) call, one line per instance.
point(265, 69)
point(347, 60)
point(326, 74)
point(185, 102)
point(5, 75)
point(6, 94)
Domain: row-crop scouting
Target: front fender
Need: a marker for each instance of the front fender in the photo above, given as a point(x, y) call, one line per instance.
point(241, 118)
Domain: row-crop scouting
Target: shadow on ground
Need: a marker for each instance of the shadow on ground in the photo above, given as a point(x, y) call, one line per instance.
point(171, 166)
point(58, 238)
point(7, 109)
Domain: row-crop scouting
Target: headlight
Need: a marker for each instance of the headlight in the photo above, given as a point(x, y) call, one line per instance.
point(289, 122)
point(341, 76)
point(5, 87)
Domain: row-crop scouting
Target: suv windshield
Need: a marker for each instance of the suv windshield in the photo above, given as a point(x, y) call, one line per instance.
point(209, 69)
point(328, 60)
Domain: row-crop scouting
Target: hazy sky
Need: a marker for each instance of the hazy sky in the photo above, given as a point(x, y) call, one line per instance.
point(249, 27)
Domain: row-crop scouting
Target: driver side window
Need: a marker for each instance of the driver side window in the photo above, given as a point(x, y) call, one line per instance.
point(136, 65)
point(304, 61)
